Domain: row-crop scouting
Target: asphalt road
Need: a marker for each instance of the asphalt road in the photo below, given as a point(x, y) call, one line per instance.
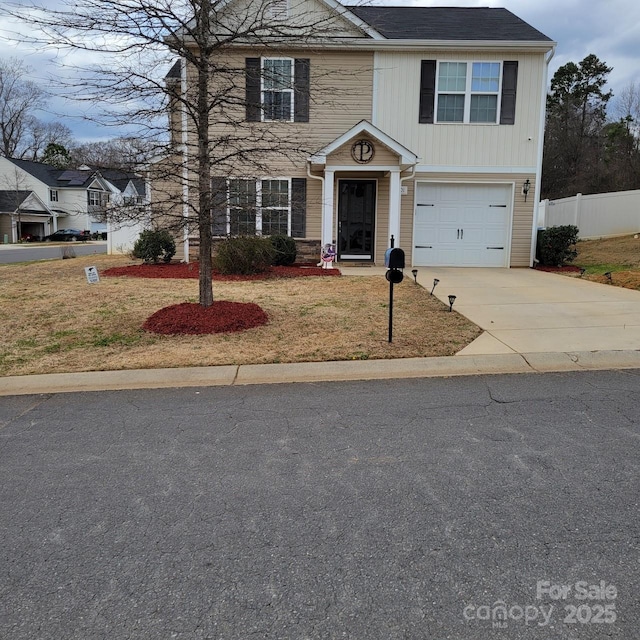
point(29, 252)
point(393, 509)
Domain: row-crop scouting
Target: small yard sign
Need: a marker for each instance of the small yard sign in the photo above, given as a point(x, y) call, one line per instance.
point(92, 275)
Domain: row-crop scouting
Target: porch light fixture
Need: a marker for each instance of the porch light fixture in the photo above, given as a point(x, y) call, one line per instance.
point(526, 185)
point(582, 270)
point(415, 275)
point(435, 284)
point(607, 275)
point(452, 299)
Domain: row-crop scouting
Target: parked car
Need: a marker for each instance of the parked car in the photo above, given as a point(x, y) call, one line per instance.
point(68, 235)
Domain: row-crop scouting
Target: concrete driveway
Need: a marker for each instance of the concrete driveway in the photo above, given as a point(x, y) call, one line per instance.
point(527, 311)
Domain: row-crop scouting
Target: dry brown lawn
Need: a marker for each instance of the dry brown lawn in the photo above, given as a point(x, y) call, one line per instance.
point(620, 251)
point(620, 256)
point(54, 321)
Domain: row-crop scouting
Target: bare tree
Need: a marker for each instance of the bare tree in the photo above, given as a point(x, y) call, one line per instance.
point(16, 184)
point(139, 40)
point(42, 134)
point(120, 153)
point(19, 98)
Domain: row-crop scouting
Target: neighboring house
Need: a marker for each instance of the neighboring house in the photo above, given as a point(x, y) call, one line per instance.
point(68, 198)
point(433, 134)
point(24, 211)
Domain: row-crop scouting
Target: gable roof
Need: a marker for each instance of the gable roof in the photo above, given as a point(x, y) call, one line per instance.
point(448, 23)
point(43, 172)
point(10, 200)
point(406, 156)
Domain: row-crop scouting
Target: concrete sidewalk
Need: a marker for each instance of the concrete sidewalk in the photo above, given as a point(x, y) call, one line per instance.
point(461, 365)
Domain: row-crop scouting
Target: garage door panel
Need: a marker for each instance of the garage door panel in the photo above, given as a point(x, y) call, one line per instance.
point(463, 224)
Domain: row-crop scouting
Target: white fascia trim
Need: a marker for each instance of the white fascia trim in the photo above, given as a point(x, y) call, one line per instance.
point(351, 17)
point(426, 45)
point(423, 168)
point(363, 168)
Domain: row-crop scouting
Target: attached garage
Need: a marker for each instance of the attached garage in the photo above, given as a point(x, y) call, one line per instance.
point(462, 225)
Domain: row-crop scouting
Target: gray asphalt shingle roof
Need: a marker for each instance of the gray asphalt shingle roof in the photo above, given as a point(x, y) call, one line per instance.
point(11, 200)
point(448, 23)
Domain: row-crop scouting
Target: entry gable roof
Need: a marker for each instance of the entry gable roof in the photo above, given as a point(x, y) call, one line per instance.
point(406, 156)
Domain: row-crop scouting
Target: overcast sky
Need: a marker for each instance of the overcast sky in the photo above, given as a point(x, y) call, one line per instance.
point(609, 29)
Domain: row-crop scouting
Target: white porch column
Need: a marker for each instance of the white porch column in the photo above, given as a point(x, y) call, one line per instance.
point(394, 206)
point(327, 208)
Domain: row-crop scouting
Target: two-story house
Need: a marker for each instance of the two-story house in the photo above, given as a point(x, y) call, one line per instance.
point(421, 123)
point(36, 199)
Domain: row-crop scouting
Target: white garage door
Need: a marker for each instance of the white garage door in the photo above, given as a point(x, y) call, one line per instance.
point(462, 225)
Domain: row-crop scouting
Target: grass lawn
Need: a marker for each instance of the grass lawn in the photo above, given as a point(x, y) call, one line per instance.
point(54, 321)
point(620, 256)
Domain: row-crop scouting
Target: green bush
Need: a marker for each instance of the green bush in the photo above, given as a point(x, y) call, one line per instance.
point(153, 246)
point(557, 245)
point(244, 255)
point(284, 248)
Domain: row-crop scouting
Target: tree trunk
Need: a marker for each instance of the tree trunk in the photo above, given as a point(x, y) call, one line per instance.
point(204, 165)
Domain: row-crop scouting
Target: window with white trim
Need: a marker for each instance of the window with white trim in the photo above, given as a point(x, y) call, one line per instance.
point(94, 198)
point(53, 195)
point(468, 92)
point(277, 89)
point(261, 207)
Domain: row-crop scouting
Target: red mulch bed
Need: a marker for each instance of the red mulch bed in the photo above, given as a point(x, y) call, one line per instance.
point(181, 270)
point(569, 268)
point(188, 318)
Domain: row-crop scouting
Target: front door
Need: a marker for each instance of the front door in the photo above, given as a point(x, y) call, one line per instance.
point(356, 219)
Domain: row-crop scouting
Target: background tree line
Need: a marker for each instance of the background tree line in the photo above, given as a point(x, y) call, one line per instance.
point(592, 139)
point(27, 137)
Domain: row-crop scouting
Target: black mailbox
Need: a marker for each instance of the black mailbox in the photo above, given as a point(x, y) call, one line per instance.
point(394, 259)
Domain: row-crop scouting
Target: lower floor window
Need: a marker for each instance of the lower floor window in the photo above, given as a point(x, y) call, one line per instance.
point(260, 207)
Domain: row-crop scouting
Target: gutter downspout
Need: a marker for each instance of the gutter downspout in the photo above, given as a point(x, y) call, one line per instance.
point(536, 195)
point(321, 178)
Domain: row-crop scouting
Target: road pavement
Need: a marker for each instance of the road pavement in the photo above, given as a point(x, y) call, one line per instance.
point(10, 253)
point(473, 507)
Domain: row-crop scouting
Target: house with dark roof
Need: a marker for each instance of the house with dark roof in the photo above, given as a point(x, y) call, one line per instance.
point(424, 124)
point(36, 199)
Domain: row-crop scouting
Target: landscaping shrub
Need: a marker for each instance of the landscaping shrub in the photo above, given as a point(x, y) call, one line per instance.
point(557, 245)
point(244, 255)
point(153, 246)
point(284, 248)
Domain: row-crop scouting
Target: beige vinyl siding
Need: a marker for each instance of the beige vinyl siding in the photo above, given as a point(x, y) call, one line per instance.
point(382, 155)
point(406, 220)
point(340, 97)
point(308, 19)
point(456, 144)
point(522, 223)
point(314, 209)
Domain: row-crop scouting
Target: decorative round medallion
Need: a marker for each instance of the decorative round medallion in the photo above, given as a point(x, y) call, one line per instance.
point(362, 151)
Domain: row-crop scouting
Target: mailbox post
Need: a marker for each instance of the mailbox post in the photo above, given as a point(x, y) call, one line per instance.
point(394, 261)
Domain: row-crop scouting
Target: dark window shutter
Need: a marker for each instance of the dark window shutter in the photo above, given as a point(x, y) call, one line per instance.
point(253, 101)
point(509, 86)
point(298, 207)
point(301, 86)
point(427, 91)
point(219, 206)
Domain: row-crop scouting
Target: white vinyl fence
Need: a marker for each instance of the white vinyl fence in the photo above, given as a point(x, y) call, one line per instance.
point(597, 216)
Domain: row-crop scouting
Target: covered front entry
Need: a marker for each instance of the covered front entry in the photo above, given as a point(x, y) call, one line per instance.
point(356, 219)
point(464, 225)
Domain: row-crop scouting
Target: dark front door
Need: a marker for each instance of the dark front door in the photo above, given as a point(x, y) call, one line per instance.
point(356, 219)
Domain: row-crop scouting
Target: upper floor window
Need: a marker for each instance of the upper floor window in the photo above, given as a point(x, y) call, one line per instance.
point(97, 198)
point(468, 92)
point(277, 89)
point(53, 195)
